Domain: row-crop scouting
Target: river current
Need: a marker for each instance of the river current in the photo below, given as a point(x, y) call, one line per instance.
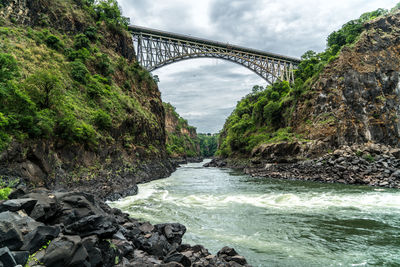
point(275, 222)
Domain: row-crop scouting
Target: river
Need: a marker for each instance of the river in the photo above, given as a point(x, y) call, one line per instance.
point(275, 222)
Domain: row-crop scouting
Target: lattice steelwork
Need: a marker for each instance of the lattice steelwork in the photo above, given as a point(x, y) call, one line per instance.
point(155, 49)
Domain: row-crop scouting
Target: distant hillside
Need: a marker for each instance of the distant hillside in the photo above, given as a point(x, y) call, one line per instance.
point(182, 140)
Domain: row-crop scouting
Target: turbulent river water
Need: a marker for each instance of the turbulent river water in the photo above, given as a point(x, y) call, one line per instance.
point(275, 222)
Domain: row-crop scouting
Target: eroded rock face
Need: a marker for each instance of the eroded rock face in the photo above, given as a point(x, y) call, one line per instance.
point(357, 96)
point(84, 231)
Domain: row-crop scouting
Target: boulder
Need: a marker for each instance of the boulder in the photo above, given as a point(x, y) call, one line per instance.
point(45, 207)
point(102, 226)
point(21, 257)
point(6, 257)
point(90, 243)
point(10, 236)
point(172, 231)
point(17, 193)
point(26, 204)
point(155, 244)
point(66, 251)
point(125, 247)
point(227, 251)
point(239, 259)
point(75, 206)
point(179, 258)
point(39, 237)
point(26, 224)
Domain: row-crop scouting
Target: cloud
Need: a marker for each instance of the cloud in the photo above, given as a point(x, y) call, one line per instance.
point(205, 91)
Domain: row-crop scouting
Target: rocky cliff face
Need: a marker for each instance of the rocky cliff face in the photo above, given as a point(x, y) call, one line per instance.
point(345, 126)
point(356, 98)
point(107, 131)
point(182, 140)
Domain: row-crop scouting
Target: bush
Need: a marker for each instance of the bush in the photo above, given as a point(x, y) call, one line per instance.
point(81, 54)
point(8, 67)
point(79, 72)
point(272, 113)
point(73, 130)
point(109, 11)
point(103, 64)
point(91, 33)
point(52, 41)
point(102, 120)
point(4, 193)
point(81, 41)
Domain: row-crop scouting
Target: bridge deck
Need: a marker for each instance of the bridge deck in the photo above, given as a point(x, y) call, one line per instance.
point(209, 42)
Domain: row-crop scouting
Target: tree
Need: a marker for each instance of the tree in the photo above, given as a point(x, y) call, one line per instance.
point(44, 89)
point(8, 67)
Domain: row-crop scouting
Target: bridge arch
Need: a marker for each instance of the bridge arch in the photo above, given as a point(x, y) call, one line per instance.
point(155, 49)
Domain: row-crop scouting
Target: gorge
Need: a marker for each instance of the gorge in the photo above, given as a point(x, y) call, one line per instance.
point(308, 169)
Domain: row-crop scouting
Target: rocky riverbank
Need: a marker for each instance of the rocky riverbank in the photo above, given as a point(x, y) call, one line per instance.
point(369, 164)
point(45, 228)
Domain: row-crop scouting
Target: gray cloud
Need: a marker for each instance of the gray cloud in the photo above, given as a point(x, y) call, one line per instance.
point(205, 91)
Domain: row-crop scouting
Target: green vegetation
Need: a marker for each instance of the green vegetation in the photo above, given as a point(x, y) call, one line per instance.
point(6, 186)
point(182, 140)
point(264, 115)
point(208, 144)
point(260, 117)
point(73, 87)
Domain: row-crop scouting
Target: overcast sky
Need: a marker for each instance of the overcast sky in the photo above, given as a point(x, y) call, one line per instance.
point(205, 91)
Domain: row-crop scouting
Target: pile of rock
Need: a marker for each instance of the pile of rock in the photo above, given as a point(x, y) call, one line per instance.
point(368, 164)
point(44, 228)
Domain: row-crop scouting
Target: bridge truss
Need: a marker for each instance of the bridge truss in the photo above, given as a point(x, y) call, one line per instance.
point(155, 49)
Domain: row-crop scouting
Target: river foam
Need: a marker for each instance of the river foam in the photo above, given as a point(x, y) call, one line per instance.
point(275, 222)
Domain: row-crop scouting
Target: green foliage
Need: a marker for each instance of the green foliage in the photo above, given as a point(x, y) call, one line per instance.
point(395, 8)
point(6, 187)
point(181, 141)
point(79, 72)
point(54, 42)
point(4, 193)
point(73, 129)
point(44, 89)
point(208, 144)
point(81, 41)
point(102, 120)
point(43, 96)
point(8, 67)
point(369, 158)
point(91, 33)
point(103, 64)
point(109, 11)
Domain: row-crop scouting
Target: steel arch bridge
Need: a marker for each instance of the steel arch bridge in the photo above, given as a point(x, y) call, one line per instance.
point(155, 49)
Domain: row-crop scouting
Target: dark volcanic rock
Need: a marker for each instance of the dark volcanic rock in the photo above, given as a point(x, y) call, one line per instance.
point(26, 204)
point(102, 226)
point(96, 235)
point(33, 241)
point(21, 257)
point(45, 207)
point(10, 236)
point(90, 243)
point(172, 231)
point(6, 257)
point(66, 251)
point(179, 258)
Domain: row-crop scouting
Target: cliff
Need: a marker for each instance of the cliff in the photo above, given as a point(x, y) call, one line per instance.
point(339, 121)
point(182, 141)
point(76, 109)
